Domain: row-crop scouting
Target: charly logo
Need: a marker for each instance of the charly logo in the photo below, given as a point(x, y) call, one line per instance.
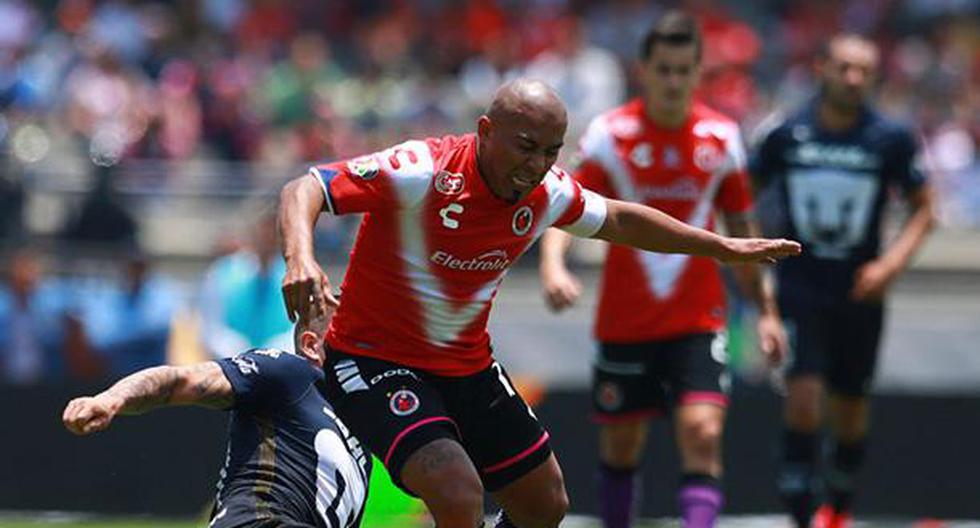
point(365, 167)
point(522, 221)
point(496, 260)
point(672, 158)
point(403, 402)
point(449, 183)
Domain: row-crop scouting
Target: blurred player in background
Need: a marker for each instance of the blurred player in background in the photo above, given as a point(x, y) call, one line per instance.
point(661, 318)
point(291, 462)
point(410, 367)
point(832, 167)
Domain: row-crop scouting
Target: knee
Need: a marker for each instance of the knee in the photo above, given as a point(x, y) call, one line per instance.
point(803, 410)
point(702, 437)
point(550, 510)
point(541, 503)
point(621, 446)
point(557, 507)
point(456, 503)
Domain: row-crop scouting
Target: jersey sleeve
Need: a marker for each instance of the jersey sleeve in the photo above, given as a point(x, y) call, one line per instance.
point(578, 211)
point(905, 170)
point(735, 193)
point(395, 178)
point(267, 376)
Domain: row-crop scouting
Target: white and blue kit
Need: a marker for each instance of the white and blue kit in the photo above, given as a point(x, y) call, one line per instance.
point(828, 190)
point(291, 461)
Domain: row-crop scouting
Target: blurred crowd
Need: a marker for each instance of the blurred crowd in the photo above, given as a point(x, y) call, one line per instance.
point(103, 313)
point(280, 83)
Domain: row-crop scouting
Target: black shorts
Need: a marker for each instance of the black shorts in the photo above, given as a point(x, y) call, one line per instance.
point(641, 380)
point(838, 341)
point(395, 410)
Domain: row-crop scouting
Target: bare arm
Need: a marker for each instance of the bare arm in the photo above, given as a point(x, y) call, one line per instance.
point(874, 278)
point(919, 224)
point(652, 230)
point(757, 286)
point(202, 384)
point(561, 289)
point(300, 203)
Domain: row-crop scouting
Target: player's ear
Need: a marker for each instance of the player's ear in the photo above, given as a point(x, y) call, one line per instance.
point(483, 126)
point(308, 343)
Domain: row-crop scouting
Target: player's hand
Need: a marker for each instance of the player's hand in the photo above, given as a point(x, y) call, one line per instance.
point(871, 281)
point(87, 415)
point(765, 250)
point(560, 288)
point(304, 286)
point(773, 342)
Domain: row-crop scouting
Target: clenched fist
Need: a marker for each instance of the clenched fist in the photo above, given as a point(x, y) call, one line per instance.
point(87, 415)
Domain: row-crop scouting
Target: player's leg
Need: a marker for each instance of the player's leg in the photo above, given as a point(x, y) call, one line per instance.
point(401, 416)
point(799, 452)
point(520, 498)
point(442, 475)
point(509, 447)
point(850, 371)
point(621, 446)
point(626, 393)
point(697, 377)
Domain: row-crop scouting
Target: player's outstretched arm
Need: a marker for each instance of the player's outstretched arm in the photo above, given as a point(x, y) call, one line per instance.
point(202, 384)
point(647, 228)
point(300, 203)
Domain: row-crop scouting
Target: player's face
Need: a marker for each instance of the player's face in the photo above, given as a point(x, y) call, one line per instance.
point(670, 75)
point(849, 73)
point(519, 152)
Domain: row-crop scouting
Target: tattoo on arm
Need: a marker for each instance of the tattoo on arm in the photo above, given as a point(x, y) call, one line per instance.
point(145, 390)
point(202, 384)
point(211, 388)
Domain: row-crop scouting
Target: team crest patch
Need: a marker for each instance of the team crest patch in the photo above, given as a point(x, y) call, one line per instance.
point(403, 402)
point(522, 221)
point(609, 396)
point(707, 157)
point(365, 167)
point(449, 183)
point(642, 155)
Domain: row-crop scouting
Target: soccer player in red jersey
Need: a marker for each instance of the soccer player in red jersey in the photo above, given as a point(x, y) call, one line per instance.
point(661, 317)
point(409, 366)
